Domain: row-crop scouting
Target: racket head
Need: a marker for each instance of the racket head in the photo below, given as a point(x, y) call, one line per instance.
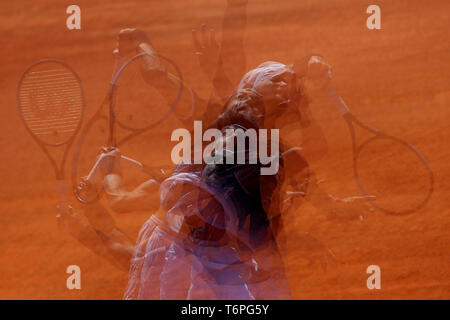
point(51, 101)
point(393, 174)
point(136, 106)
point(127, 82)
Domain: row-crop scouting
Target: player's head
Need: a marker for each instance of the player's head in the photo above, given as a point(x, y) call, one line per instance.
point(276, 83)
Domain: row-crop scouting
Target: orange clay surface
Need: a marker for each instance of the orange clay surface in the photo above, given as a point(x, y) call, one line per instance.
point(396, 79)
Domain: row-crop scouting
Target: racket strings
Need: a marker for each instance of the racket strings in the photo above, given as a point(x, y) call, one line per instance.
point(132, 96)
point(139, 102)
point(51, 103)
point(395, 173)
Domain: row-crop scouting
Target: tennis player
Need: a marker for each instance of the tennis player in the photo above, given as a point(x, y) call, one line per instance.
point(182, 233)
point(231, 241)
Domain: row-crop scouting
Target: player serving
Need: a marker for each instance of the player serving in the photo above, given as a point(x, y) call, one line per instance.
point(218, 227)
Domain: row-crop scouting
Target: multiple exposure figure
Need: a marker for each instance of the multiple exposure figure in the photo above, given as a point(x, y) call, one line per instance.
point(215, 230)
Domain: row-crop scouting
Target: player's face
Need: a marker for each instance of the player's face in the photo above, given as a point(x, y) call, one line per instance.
point(278, 95)
point(276, 89)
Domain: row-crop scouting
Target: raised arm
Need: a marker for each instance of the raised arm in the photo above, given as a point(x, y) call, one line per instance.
point(132, 41)
point(121, 200)
point(313, 77)
point(300, 182)
point(233, 31)
point(224, 63)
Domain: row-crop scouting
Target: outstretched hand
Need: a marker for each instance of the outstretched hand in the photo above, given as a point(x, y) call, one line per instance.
point(314, 74)
point(207, 50)
point(319, 75)
point(128, 40)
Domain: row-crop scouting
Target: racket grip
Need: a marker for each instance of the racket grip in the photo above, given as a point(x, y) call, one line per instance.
point(96, 170)
point(337, 100)
point(61, 188)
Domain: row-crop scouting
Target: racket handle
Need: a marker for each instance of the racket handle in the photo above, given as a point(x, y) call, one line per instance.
point(99, 167)
point(95, 172)
point(337, 100)
point(118, 61)
point(61, 188)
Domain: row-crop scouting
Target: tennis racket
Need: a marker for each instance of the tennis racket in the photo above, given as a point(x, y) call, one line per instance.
point(130, 110)
point(131, 106)
point(51, 105)
point(393, 175)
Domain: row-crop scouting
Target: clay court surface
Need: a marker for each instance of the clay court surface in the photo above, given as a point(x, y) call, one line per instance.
point(396, 79)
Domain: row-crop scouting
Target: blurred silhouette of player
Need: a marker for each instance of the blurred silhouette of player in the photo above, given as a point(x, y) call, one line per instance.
point(184, 232)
